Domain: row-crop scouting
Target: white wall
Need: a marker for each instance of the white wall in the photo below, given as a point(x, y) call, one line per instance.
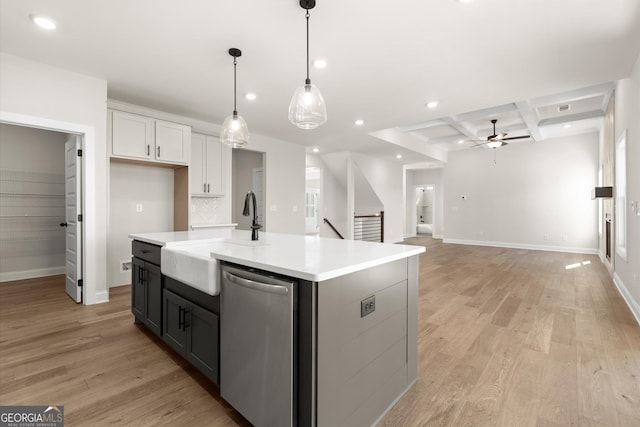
point(43, 96)
point(627, 114)
point(533, 191)
point(333, 198)
point(132, 185)
point(386, 180)
point(284, 176)
point(423, 177)
point(26, 149)
point(366, 202)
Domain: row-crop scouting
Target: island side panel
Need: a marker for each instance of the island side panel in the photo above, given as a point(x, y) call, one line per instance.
point(412, 318)
point(363, 362)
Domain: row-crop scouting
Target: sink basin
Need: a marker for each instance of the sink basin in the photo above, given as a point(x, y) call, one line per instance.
point(192, 265)
point(254, 243)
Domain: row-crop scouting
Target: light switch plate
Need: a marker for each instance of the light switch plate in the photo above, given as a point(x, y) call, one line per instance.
point(367, 306)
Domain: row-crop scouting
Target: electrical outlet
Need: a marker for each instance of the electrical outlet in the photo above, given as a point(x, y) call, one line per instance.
point(564, 238)
point(545, 237)
point(138, 207)
point(367, 306)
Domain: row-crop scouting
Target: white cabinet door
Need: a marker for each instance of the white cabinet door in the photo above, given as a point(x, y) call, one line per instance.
point(173, 142)
point(132, 135)
point(215, 166)
point(207, 167)
point(197, 165)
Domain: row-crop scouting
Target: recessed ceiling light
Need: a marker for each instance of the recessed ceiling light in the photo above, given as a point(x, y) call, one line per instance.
point(315, 150)
point(461, 141)
point(250, 96)
point(43, 22)
point(359, 122)
point(398, 156)
point(320, 63)
point(567, 125)
point(432, 104)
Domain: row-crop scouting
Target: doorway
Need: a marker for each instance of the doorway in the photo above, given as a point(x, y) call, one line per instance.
point(423, 207)
point(40, 198)
point(312, 200)
point(248, 174)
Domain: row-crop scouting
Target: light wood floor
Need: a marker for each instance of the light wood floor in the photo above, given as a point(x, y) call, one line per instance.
point(506, 338)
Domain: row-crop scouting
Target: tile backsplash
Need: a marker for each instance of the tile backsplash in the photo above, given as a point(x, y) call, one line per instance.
point(204, 211)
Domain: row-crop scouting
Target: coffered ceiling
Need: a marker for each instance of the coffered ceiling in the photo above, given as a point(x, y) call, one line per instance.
point(567, 113)
point(513, 60)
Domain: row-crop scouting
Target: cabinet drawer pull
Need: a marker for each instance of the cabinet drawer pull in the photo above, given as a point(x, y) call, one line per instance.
point(204, 188)
point(181, 318)
point(158, 152)
point(148, 150)
point(208, 188)
point(186, 321)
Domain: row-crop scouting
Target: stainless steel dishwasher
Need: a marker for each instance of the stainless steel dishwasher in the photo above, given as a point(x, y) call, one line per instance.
point(256, 345)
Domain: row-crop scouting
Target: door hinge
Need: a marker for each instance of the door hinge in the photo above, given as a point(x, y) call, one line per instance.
point(80, 152)
point(80, 282)
point(80, 218)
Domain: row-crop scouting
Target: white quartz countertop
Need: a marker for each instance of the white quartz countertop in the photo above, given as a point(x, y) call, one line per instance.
point(169, 238)
point(306, 257)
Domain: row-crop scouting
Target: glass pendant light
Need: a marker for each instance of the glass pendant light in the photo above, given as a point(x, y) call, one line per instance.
point(235, 132)
point(307, 109)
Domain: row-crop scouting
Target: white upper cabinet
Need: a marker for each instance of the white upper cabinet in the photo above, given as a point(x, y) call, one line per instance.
point(172, 142)
point(207, 168)
point(144, 138)
point(132, 135)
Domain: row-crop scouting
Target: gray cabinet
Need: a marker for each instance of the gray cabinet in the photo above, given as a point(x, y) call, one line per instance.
point(193, 332)
point(146, 286)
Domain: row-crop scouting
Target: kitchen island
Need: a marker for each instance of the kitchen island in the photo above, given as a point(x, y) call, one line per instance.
point(349, 348)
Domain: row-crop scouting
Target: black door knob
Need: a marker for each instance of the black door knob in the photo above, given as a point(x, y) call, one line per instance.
point(63, 224)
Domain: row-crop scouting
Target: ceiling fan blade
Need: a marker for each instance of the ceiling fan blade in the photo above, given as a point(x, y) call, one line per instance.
point(516, 137)
point(501, 135)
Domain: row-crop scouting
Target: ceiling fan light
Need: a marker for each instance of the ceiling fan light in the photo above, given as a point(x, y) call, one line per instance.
point(307, 109)
point(494, 143)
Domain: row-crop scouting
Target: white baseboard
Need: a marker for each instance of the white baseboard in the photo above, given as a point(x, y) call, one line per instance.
point(437, 236)
point(31, 274)
point(628, 298)
point(102, 297)
point(592, 251)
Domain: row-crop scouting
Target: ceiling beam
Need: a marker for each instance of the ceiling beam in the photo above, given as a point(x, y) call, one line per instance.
point(460, 127)
point(530, 117)
point(572, 118)
point(484, 113)
point(573, 95)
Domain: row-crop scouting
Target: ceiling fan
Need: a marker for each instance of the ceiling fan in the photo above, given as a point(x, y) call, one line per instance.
point(498, 140)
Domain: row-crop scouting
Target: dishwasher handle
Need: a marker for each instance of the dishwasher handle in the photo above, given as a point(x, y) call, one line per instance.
point(252, 284)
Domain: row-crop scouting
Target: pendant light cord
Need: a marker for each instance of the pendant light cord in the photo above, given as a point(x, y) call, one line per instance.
point(308, 81)
point(235, 110)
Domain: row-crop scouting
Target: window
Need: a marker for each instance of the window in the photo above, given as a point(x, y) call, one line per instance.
point(621, 195)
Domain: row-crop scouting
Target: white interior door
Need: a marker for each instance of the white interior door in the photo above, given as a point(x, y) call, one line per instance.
point(73, 209)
